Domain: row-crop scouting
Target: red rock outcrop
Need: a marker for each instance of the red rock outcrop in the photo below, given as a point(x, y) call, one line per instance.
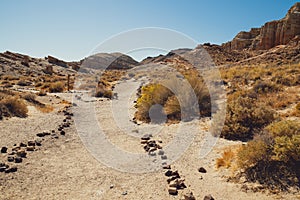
point(278, 32)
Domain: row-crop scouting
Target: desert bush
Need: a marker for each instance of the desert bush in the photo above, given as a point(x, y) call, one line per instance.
point(150, 95)
point(13, 106)
point(245, 116)
point(265, 87)
point(56, 87)
point(23, 83)
point(273, 157)
point(175, 96)
point(103, 92)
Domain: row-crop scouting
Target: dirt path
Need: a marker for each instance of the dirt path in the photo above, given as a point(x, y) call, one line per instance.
point(64, 168)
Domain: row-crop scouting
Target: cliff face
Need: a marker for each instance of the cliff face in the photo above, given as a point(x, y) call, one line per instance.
point(271, 34)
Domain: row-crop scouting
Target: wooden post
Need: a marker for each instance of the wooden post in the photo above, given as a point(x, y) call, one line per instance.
point(68, 83)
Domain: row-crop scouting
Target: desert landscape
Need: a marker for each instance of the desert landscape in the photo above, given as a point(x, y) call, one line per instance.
point(56, 117)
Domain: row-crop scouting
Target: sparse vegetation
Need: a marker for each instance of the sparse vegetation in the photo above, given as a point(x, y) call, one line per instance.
point(56, 87)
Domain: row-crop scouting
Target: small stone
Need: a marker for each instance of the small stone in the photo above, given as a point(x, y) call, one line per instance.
point(31, 143)
point(4, 150)
point(23, 145)
point(38, 142)
point(2, 169)
point(164, 157)
point(146, 148)
point(208, 197)
point(161, 152)
point(172, 190)
point(144, 142)
point(21, 153)
point(146, 137)
point(188, 196)
point(111, 186)
point(165, 166)
point(30, 148)
point(168, 173)
point(62, 132)
point(54, 135)
point(10, 159)
point(202, 170)
point(16, 148)
point(124, 193)
point(40, 134)
point(18, 160)
point(11, 170)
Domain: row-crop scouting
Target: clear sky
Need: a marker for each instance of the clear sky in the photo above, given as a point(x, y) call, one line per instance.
point(70, 29)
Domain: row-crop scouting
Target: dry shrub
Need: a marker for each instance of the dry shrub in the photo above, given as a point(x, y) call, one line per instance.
point(226, 159)
point(176, 96)
point(23, 83)
point(13, 106)
point(150, 95)
point(56, 87)
point(103, 92)
point(45, 108)
point(245, 116)
point(273, 158)
point(265, 87)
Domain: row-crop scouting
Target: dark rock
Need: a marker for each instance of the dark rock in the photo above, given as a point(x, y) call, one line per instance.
point(146, 148)
point(165, 166)
point(38, 142)
point(62, 132)
point(168, 173)
point(23, 145)
point(30, 148)
point(172, 190)
point(10, 159)
point(11, 170)
point(202, 170)
point(18, 160)
point(31, 143)
point(4, 150)
point(146, 137)
point(208, 197)
point(21, 153)
point(164, 157)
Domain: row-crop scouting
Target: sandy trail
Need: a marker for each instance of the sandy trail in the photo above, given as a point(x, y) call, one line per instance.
point(65, 168)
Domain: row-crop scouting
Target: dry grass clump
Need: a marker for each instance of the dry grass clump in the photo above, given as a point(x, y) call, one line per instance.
point(56, 87)
point(103, 92)
point(227, 158)
point(12, 106)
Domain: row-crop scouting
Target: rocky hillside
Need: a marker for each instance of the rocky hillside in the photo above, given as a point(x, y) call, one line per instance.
point(109, 61)
point(271, 34)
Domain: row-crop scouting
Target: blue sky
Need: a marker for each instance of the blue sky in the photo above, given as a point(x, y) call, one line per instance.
point(71, 29)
